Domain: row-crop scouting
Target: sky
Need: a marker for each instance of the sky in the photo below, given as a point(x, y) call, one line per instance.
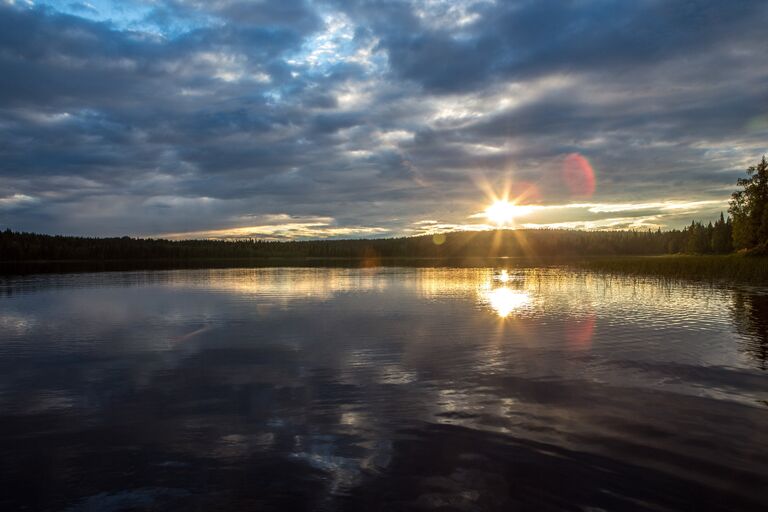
point(294, 119)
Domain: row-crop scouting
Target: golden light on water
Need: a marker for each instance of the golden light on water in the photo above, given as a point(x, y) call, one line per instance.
point(505, 300)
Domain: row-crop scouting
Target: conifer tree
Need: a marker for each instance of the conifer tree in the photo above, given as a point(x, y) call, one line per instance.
point(721, 236)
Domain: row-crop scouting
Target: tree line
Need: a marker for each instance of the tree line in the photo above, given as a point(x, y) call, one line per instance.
point(17, 246)
point(746, 228)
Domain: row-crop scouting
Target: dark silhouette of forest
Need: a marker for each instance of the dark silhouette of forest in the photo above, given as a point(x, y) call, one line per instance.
point(746, 228)
point(712, 238)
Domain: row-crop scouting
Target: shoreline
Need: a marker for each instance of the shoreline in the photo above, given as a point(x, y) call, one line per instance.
point(735, 267)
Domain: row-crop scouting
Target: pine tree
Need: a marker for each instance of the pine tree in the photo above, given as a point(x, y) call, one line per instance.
point(721, 236)
point(697, 241)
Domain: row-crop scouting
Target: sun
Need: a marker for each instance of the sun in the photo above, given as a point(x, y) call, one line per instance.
point(501, 212)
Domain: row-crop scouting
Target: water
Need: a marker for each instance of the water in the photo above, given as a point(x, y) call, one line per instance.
point(381, 389)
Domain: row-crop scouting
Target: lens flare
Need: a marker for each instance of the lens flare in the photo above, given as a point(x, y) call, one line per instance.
point(579, 175)
point(579, 333)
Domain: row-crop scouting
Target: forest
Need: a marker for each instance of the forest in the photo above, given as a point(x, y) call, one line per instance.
point(696, 238)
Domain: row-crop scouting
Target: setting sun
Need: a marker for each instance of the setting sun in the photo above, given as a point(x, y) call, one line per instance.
point(501, 212)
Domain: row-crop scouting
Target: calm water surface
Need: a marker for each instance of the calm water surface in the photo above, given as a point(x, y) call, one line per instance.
point(381, 389)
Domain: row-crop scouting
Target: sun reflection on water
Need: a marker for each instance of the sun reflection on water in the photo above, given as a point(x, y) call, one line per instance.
point(505, 300)
point(503, 276)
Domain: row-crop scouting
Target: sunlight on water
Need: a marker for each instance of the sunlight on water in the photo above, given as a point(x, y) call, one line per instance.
point(504, 300)
point(328, 384)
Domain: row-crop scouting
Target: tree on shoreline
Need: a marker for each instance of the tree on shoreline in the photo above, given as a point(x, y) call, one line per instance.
point(749, 209)
point(710, 239)
point(722, 235)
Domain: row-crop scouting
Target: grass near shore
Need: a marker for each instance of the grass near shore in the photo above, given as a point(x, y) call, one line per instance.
point(734, 267)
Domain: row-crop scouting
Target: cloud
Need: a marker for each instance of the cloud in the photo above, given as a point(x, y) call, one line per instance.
point(374, 114)
point(16, 201)
point(588, 216)
point(284, 227)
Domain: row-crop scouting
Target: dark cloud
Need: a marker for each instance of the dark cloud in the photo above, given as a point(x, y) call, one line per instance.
point(186, 115)
point(533, 37)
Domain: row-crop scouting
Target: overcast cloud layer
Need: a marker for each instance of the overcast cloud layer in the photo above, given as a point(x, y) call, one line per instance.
point(291, 119)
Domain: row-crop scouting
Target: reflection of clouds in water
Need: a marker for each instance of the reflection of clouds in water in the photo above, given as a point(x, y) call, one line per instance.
point(50, 401)
point(354, 419)
point(15, 324)
point(396, 374)
point(279, 286)
point(331, 382)
point(452, 404)
point(239, 445)
point(434, 284)
point(345, 472)
point(319, 452)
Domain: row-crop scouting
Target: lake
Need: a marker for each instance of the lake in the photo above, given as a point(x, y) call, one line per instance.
point(386, 388)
